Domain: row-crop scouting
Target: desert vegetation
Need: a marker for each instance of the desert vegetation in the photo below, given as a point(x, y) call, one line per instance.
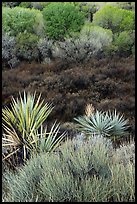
point(68, 101)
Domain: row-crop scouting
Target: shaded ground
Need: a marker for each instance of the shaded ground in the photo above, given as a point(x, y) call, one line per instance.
point(106, 83)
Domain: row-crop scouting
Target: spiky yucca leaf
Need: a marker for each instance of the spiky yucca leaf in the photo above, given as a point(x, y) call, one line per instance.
point(22, 121)
point(104, 123)
point(27, 113)
point(119, 123)
point(49, 141)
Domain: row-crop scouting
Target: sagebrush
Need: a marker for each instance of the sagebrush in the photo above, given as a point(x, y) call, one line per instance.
point(77, 171)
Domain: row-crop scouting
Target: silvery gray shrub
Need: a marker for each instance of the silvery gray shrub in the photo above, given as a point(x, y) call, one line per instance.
point(28, 54)
point(9, 50)
point(87, 173)
point(45, 49)
point(125, 153)
point(82, 47)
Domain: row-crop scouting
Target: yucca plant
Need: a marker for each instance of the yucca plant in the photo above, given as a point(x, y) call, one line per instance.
point(104, 123)
point(22, 123)
point(48, 140)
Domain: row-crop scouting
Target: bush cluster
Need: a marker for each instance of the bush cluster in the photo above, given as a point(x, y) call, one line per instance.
point(82, 47)
point(61, 19)
point(17, 20)
point(124, 43)
point(115, 18)
point(78, 171)
point(75, 40)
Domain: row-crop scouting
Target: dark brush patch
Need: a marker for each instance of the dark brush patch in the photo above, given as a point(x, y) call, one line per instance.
point(106, 83)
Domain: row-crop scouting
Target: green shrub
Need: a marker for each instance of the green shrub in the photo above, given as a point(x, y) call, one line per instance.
point(82, 47)
point(75, 172)
point(124, 42)
point(110, 50)
point(114, 18)
point(87, 8)
point(100, 35)
point(61, 19)
point(26, 47)
point(16, 20)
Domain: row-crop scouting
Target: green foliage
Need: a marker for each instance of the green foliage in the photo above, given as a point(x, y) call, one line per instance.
point(61, 19)
point(86, 8)
point(110, 50)
point(16, 20)
point(104, 36)
point(88, 26)
point(124, 42)
point(105, 123)
point(26, 47)
point(75, 172)
point(114, 18)
point(89, 8)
